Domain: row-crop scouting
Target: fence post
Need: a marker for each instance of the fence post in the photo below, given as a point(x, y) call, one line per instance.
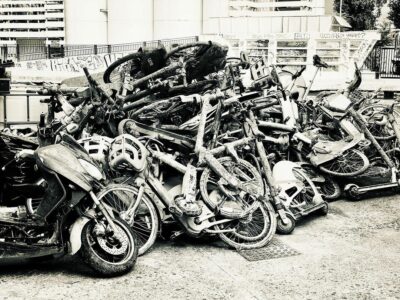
point(377, 60)
point(17, 52)
point(95, 49)
point(62, 51)
point(48, 51)
point(109, 49)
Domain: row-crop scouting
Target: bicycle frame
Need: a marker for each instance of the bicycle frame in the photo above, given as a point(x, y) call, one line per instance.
point(195, 226)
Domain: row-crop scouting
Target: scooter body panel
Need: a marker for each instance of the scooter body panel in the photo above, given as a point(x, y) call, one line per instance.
point(10, 250)
point(65, 162)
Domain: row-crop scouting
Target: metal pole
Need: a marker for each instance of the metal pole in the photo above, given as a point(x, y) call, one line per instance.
point(340, 14)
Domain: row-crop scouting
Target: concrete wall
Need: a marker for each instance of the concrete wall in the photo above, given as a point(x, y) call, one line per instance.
point(125, 21)
point(130, 21)
point(85, 23)
point(177, 18)
point(245, 26)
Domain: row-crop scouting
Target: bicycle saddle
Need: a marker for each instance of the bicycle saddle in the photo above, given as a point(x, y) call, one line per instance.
point(317, 62)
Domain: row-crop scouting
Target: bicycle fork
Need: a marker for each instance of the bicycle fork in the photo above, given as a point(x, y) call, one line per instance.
point(267, 172)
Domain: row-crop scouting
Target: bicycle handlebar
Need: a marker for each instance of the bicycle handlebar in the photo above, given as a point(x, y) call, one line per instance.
point(298, 73)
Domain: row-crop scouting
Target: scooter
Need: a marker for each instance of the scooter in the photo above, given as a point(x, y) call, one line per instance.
point(340, 107)
point(298, 193)
point(74, 218)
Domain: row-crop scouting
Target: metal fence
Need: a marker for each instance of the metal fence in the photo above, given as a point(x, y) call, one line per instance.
point(384, 61)
point(23, 100)
point(389, 63)
point(31, 51)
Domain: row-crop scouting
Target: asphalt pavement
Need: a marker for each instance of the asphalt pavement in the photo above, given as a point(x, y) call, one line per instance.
point(353, 253)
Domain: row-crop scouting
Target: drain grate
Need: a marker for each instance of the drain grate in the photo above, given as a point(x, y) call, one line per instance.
point(275, 249)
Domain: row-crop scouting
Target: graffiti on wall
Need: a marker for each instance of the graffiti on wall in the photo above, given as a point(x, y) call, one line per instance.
point(72, 64)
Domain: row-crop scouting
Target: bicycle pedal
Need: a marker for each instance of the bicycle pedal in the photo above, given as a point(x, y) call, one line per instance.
point(175, 211)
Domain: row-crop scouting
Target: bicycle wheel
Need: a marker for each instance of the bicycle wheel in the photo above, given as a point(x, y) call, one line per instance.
point(193, 46)
point(329, 188)
point(252, 232)
point(351, 163)
point(377, 121)
point(308, 191)
point(109, 73)
point(238, 202)
point(145, 223)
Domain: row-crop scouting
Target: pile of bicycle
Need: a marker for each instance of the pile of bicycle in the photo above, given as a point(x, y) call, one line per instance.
point(187, 141)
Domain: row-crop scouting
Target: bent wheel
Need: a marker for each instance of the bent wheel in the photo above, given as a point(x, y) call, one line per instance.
point(353, 162)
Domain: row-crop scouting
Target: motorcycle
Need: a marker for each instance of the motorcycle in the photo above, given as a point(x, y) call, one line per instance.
point(75, 217)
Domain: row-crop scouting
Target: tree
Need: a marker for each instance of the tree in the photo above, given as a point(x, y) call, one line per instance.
point(361, 14)
point(394, 13)
point(385, 29)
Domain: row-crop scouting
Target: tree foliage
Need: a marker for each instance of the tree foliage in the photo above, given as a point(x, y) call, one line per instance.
point(361, 14)
point(385, 29)
point(394, 13)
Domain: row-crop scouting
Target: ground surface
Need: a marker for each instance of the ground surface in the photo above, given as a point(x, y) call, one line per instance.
point(353, 253)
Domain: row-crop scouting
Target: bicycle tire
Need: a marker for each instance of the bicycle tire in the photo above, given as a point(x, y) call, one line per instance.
point(236, 242)
point(117, 63)
point(365, 164)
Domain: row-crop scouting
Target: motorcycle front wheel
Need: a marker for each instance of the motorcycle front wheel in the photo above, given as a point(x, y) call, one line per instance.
point(107, 255)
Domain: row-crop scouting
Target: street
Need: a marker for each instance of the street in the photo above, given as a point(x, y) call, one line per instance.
point(353, 253)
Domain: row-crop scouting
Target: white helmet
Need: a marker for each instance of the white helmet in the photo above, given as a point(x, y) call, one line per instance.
point(127, 153)
point(98, 147)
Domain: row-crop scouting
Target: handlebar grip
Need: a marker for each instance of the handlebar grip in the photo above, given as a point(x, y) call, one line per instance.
point(32, 91)
point(298, 73)
point(303, 68)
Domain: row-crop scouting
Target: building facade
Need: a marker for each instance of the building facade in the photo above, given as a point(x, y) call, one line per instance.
point(37, 20)
point(124, 21)
point(258, 8)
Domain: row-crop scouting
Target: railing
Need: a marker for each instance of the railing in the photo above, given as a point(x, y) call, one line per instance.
point(34, 52)
point(389, 66)
point(371, 63)
point(26, 98)
point(384, 61)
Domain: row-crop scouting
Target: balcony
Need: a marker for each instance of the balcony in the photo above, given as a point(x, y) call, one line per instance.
point(272, 13)
point(50, 14)
point(272, 4)
point(52, 24)
point(23, 17)
point(55, 34)
point(54, 6)
point(20, 9)
point(23, 25)
point(23, 34)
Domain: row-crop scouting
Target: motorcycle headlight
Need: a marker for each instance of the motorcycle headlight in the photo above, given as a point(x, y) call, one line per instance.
point(91, 169)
